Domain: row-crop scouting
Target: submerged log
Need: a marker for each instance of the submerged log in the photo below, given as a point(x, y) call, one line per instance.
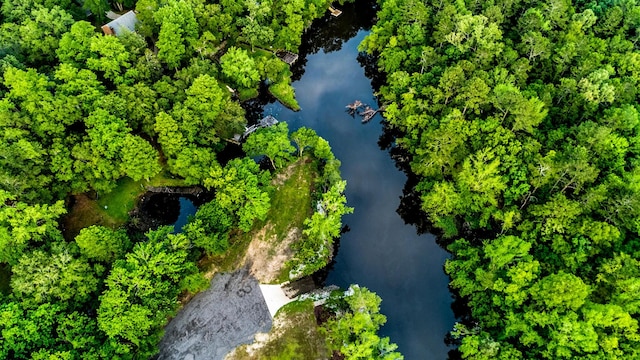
point(367, 113)
point(355, 105)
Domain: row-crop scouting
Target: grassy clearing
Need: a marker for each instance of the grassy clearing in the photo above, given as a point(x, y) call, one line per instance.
point(121, 200)
point(294, 336)
point(291, 203)
point(118, 203)
point(85, 212)
point(291, 200)
point(290, 206)
point(112, 209)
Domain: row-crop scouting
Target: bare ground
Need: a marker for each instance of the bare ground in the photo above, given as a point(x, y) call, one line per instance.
point(266, 257)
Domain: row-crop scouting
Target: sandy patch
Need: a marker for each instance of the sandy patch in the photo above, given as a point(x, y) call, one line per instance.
point(283, 176)
point(266, 257)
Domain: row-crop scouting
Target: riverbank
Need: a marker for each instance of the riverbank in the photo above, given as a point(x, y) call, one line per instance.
point(266, 249)
point(260, 256)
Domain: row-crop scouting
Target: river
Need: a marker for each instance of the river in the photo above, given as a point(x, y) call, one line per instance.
point(380, 251)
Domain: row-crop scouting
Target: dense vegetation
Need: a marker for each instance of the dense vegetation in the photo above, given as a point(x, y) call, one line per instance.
point(81, 111)
point(346, 328)
point(352, 328)
point(522, 123)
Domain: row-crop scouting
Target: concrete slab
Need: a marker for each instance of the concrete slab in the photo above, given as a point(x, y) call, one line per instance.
point(217, 320)
point(274, 297)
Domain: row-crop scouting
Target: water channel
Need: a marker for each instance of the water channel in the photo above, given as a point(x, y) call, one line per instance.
point(380, 251)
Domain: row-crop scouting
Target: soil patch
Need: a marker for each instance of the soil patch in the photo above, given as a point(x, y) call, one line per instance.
point(266, 257)
point(83, 212)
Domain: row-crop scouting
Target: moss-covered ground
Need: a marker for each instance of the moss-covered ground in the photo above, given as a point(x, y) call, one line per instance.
point(294, 336)
point(284, 92)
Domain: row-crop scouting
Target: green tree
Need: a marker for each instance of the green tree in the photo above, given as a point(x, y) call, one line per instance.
point(139, 160)
point(272, 142)
point(353, 331)
point(240, 68)
point(304, 138)
point(142, 290)
point(75, 45)
point(23, 225)
point(110, 57)
point(178, 32)
point(25, 330)
point(241, 189)
point(55, 277)
point(208, 114)
point(102, 244)
point(314, 250)
point(98, 8)
point(41, 32)
point(210, 227)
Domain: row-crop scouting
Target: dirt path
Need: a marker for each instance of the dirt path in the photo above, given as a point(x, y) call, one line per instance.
point(266, 257)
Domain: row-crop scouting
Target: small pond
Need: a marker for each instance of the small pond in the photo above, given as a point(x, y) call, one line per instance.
point(158, 209)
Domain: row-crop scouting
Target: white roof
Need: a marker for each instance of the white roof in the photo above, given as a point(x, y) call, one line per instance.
point(126, 22)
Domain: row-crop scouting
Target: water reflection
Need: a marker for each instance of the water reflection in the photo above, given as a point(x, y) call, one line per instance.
point(380, 252)
point(160, 209)
point(329, 33)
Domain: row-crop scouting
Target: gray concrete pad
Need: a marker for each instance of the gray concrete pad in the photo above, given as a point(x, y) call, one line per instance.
point(216, 321)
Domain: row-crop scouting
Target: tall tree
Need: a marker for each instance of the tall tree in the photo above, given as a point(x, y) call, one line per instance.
point(272, 142)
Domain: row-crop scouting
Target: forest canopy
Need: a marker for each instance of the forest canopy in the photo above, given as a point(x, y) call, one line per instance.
point(521, 121)
point(84, 113)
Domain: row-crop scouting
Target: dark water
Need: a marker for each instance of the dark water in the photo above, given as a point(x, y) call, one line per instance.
point(167, 209)
point(380, 251)
point(187, 209)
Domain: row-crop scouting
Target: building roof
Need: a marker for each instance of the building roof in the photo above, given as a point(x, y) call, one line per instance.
point(126, 22)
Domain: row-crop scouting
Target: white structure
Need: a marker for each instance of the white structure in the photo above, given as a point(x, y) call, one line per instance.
point(125, 23)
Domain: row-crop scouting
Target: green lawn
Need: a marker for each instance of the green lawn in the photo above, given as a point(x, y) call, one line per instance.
point(112, 209)
point(291, 200)
point(118, 203)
